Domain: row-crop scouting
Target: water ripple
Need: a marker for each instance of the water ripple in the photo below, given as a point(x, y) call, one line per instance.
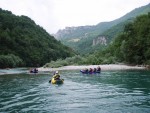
point(119, 92)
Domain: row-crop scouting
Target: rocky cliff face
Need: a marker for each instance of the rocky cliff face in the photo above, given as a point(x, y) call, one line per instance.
point(72, 32)
point(68, 30)
point(101, 40)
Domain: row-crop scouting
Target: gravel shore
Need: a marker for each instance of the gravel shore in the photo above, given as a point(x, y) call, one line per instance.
point(103, 67)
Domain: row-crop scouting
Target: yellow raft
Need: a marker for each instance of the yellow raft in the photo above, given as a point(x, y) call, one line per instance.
point(57, 81)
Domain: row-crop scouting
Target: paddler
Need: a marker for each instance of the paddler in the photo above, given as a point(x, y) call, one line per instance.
point(56, 75)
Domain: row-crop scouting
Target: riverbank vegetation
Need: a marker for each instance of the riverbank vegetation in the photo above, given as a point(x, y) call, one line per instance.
point(132, 46)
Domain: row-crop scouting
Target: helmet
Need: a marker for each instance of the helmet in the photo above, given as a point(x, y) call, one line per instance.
point(56, 72)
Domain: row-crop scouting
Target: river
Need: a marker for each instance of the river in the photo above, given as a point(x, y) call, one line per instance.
point(110, 91)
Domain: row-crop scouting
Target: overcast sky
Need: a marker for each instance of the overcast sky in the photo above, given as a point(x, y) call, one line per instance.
point(53, 15)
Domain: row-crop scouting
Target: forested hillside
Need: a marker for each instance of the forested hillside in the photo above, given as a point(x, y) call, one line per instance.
point(131, 47)
point(80, 38)
point(23, 43)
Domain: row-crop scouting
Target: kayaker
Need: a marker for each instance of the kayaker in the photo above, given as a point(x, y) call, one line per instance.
point(56, 75)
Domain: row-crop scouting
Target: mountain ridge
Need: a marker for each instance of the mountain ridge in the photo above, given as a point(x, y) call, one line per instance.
point(90, 32)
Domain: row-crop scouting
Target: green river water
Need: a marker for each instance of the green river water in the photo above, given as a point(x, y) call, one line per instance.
point(108, 92)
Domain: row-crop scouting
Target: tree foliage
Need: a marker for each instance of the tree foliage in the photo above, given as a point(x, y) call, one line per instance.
point(133, 45)
point(10, 61)
point(20, 36)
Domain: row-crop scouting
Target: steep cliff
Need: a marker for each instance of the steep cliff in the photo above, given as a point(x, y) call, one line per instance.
point(100, 40)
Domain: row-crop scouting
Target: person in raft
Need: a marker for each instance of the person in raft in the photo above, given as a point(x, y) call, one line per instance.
point(33, 70)
point(94, 70)
point(86, 70)
point(90, 70)
point(56, 75)
point(99, 68)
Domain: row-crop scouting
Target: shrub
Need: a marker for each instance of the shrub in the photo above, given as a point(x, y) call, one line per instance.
point(10, 61)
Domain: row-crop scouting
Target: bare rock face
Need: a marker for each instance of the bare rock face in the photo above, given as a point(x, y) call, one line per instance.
point(101, 40)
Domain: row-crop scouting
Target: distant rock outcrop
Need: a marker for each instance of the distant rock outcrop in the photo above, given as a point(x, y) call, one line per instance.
point(100, 40)
point(72, 32)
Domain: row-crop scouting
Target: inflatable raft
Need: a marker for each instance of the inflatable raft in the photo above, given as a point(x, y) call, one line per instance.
point(87, 72)
point(33, 71)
